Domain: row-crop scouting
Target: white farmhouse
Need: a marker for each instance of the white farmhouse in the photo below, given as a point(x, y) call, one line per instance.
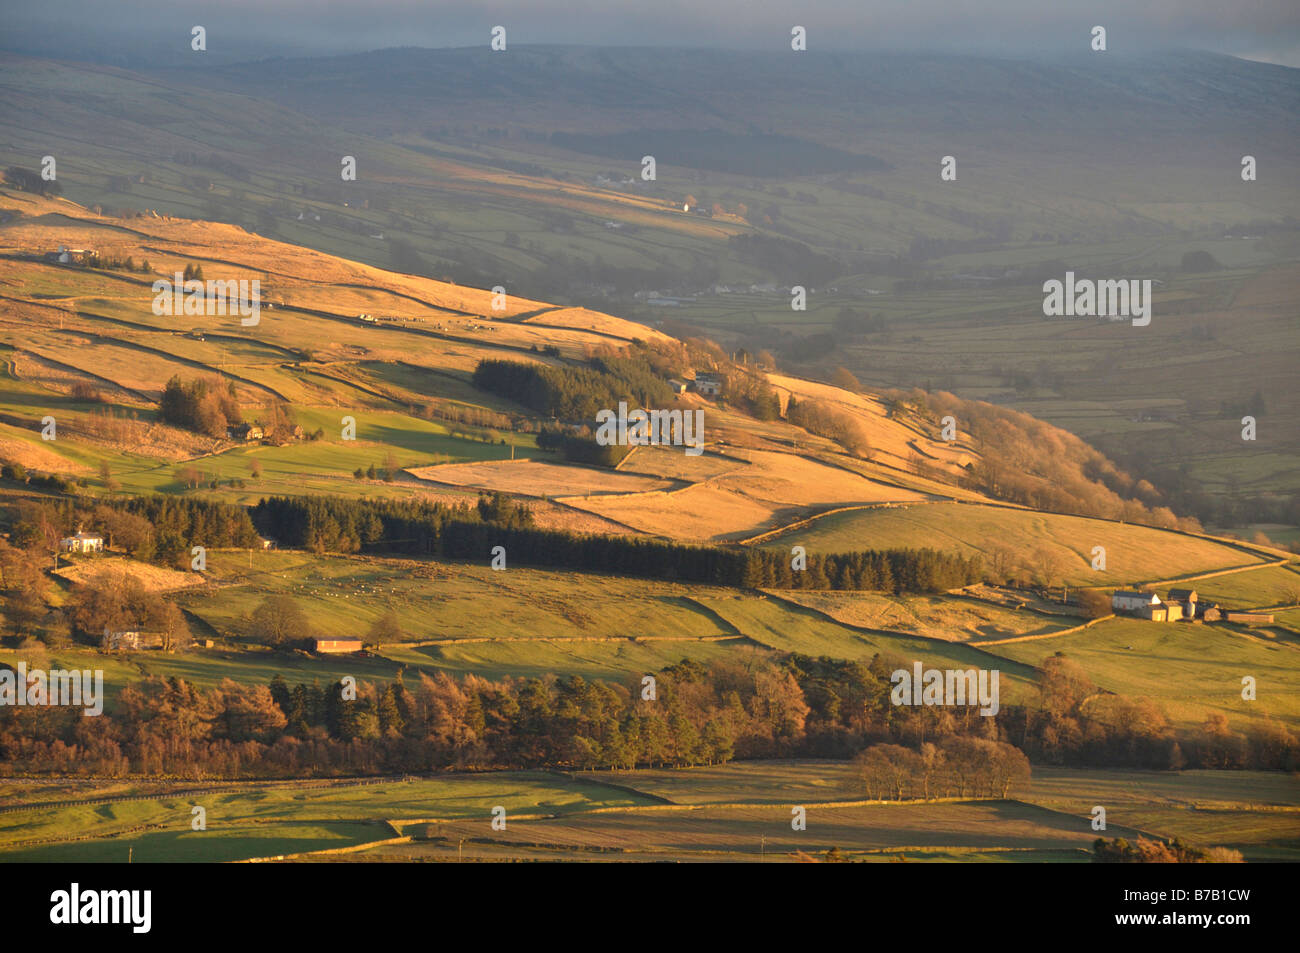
point(1133, 601)
point(82, 543)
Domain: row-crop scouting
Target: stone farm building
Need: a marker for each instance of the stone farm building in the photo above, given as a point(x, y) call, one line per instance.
point(1164, 612)
point(337, 646)
point(1146, 605)
point(1187, 599)
point(1181, 604)
point(245, 432)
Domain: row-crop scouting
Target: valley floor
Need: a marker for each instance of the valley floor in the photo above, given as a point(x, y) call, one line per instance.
point(736, 812)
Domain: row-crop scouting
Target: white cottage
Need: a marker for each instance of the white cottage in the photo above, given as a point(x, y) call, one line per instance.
point(1133, 601)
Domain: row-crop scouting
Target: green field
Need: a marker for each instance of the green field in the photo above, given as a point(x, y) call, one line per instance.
point(1190, 670)
point(731, 812)
point(270, 819)
point(785, 627)
point(343, 596)
point(1134, 554)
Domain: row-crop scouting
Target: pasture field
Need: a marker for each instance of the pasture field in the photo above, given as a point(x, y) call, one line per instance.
point(343, 596)
point(751, 833)
point(206, 668)
point(612, 659)
point(1271, 586)
point(773, 490)
point(736, 811)
point(1134, 554)
point(785, 627)
point(529, 478)
point(1190, 670)
point(934, 617)
point(793, 781)
point(153, 578)
point(1255, 812)
point(266, 819)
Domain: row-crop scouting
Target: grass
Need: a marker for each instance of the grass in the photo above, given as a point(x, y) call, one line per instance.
point(1256, 812)
point(1133, 553)
point(729, 812)
point(1190, 670)
point(343, 596)
point(751, 833)
point(270, 819)
point(1260, 587)
point(935, 617)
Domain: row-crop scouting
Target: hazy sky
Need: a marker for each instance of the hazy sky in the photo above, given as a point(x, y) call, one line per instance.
point(118, 30)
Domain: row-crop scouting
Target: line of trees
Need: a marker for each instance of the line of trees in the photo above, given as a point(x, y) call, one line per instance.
point(329, 524)
point(775, 707)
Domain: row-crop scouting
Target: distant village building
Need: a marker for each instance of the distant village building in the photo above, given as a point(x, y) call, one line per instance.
point(337, 646)
point(82, 543)
point(678, 387)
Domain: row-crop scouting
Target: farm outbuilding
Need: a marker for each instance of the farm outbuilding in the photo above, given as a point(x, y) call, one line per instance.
point(337, 646)
point(1187, 599)
point(245, 432)
point(1248, 618)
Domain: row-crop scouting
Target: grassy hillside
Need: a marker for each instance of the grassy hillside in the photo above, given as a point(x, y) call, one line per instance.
point(1059, 546)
